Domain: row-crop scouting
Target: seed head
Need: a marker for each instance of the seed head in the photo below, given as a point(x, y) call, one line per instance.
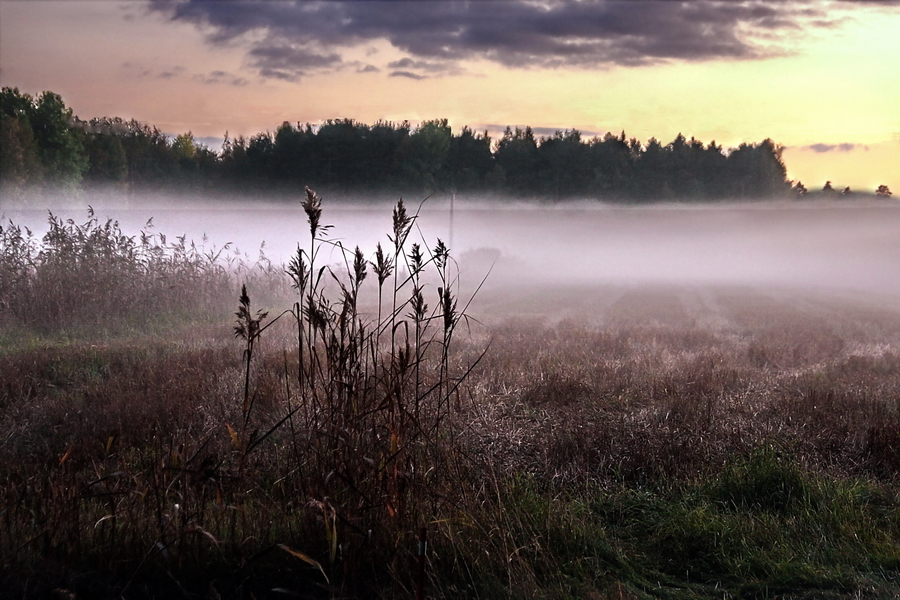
point(402, 222)
point(313, 207)
point(383, 265)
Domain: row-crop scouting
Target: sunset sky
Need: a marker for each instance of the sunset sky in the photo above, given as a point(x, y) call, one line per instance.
point(821, 78)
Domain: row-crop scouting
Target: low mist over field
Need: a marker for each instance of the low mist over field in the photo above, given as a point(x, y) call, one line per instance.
point(705, 397)
point(838, 245)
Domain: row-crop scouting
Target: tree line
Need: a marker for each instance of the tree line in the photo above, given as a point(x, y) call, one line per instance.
point(44, 144)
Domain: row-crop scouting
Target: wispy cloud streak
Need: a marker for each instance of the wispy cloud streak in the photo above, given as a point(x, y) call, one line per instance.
point(845, 147)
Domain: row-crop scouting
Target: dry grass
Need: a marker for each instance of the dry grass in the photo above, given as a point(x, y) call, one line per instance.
point(614, 442)
point(649, 390)
point(89, 279)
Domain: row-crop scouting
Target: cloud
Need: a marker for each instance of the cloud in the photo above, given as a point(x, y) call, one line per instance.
point(408, 75)
point(845, 147)
point(220, 77)
point(288, 40)
point(211, 142)
point(170, 73)
point(139, 70)
point(289, 62)
point(211, 78)
point(423, 65)
point(420, 69)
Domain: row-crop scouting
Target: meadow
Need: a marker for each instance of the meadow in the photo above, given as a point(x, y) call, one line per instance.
point(176, 423)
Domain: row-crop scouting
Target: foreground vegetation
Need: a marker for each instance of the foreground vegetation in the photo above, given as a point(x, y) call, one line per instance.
point(602, 442)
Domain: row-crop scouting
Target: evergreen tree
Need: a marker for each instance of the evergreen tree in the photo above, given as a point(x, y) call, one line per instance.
point(150, 159)
point(564, 165)
point(517, 155)
point(757, 170)
point(425, 156)
point(107, 161)
point(469, 159)
point(652, 173)
point(612, 166)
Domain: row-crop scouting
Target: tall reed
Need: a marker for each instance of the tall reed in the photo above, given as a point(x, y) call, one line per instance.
point(367, 414)
point(90, 277)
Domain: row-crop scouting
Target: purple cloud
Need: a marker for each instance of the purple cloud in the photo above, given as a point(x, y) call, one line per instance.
point(296, 38)
point(845, 147)
point(408, 75)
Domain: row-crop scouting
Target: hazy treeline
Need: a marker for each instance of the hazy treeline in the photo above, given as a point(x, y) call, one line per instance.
point(43, 143)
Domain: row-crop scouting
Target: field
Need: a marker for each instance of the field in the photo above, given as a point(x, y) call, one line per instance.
point(160, 437)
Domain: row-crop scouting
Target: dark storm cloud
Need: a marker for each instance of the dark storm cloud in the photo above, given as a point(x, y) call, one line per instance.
point(300, 36)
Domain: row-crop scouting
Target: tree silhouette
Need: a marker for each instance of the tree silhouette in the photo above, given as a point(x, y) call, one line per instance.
point(107, 161)
point(564, 165)
point(518, 157)
point(20, 164)
point(39, 131)
point(425, 156)
point(469, 159)
point(756, 170)
point(652, 172)
point(612, 166)
point(42, 141)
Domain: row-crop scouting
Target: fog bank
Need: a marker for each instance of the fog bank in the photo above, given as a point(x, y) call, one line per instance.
point(844, 245)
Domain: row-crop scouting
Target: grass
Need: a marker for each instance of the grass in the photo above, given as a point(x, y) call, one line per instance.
point(89, 280)
point(663, 442)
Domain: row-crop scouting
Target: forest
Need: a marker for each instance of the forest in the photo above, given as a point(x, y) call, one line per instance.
point(44, 144)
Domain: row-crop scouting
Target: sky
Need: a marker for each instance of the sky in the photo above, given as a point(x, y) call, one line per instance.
point(819, 77)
